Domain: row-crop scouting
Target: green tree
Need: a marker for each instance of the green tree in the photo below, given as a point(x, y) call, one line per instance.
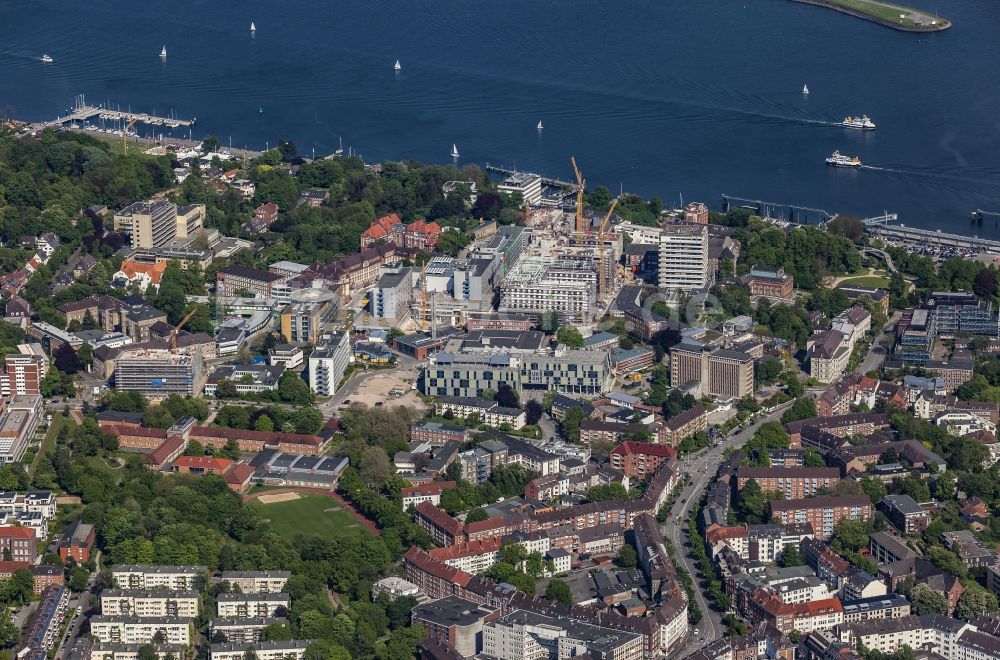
point(477, 514)
point(924, 600)
point(975, 601)
point(264, 423)
point(626, 557)
point(571, 424)
point(813, 458)
point(559, 591)
point(569, 336)
point(790, 556)
point(803, 408)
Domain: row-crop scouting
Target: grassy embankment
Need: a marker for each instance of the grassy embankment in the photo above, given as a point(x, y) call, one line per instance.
point(888, 14)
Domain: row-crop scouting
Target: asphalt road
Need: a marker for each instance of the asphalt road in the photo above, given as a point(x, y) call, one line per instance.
point(702, 468)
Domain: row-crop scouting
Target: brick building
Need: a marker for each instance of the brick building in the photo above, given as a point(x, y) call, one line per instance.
point(792, 483)
point(823, 513)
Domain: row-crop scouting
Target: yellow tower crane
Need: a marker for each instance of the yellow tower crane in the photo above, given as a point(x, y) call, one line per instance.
point(602, 274)
point(125, 131)
point(581, 184)
point(173, 333)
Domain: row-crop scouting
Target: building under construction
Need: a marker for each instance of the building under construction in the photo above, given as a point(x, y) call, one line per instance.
point(160, 372)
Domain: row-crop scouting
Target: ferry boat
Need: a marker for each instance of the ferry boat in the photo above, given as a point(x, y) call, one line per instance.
point(837, 159)
point(454, 151)
point(397, 66)
point(163, 52)
point(862, 123)
point(47, 59)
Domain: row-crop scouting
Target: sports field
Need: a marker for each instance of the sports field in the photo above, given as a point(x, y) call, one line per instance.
point(306, 513)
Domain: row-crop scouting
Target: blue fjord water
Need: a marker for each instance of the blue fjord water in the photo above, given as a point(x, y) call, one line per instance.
point(693, 98)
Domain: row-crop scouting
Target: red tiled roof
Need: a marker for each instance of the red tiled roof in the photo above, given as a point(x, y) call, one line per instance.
point(429, 488)
point(478, 547)
point(268, 437)
point(424, 562)
point(485, 525)
point(206, 462)
point(439, 518)
point(141, 431)
point(644, 448)
point(17, 533)
point(238, 474)
point(8, 567)
point(716, 533)
point(167, 447)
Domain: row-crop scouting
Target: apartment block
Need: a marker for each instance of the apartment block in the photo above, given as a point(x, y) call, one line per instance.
point(251, 605)
point(437, 434)
point(147, 577)
point(472, 557)
point(890, 606)
point(685, 424)
point(428, 492)
point(523, 634)
point(144, 604)
point(135, 630)
point(640, 459)
point(23, 371)
point(823, 513)
point(257, 582)
point(328, 362)
point(904, 512)
point(20, 542)
point(43, 632)
point(791, 483)
point(490, 412)
point(242, 631)
point(526, 184)
point(683, 258)
point(77, 542)
point(457, 622)
point(291, 650)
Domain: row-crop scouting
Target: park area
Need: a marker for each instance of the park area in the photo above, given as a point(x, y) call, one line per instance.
point(306, 513)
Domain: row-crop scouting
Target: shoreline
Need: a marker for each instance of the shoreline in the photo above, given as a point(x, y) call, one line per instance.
point(857, 13)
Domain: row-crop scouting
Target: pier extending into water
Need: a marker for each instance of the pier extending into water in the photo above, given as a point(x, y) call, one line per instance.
point(496, 169)
point(935, 238)
point(799, 215)
point(83, 112)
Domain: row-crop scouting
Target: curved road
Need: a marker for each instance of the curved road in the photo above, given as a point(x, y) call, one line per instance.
point(702, 468)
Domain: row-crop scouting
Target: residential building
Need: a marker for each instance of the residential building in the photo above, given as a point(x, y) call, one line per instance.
point(428, 492)
point(147, 577)
point(455, 621)
point(828, 355)
point(244, 630)
point(685, 424)
point(683, 258)
point(263, 217)
point(436, 433)
point(136, 630)
point(328, 363)
point(523, 634)
point(43, 632)
point(889, 606)
point(792, 483)
point(823, 513)
point(77, 542)
point(143, 604)
point(20, 542)
point(490, 413)
point(472, 557)
point(236, 605)
point(291, 650)
point(904, 512)
point(23, 371)
point(640, 459)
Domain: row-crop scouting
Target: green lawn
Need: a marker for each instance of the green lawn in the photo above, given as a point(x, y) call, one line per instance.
point(310, 515)
point(867, 280)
